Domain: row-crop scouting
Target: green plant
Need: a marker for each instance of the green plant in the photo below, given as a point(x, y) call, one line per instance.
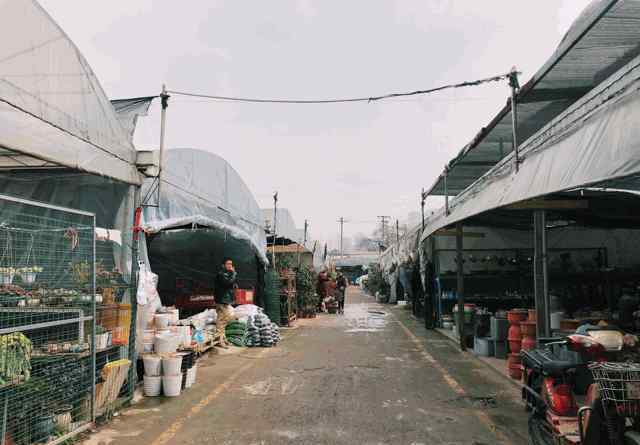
point(375, 281)
point(305, 287)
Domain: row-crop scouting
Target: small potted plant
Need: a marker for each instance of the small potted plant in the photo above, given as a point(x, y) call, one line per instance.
point(29, 274)
point(6, 275)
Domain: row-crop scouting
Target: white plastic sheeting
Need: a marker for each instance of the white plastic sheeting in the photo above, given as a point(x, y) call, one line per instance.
point(128, 111)
point(52, 106)
point(596, 140)
point(201, 188)
point(285, 224)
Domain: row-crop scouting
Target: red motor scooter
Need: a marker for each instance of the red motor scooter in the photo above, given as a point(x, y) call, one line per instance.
point(589, 401)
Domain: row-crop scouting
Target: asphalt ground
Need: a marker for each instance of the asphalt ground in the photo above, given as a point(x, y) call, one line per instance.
point(370, 376)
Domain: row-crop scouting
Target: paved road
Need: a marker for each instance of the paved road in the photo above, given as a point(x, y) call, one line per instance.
point(372, 376)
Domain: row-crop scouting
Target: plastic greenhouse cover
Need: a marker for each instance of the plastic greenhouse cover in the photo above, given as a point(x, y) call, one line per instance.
point(201, 188)
point(128, 111)
point(52, 106)
point(596, 140)
point(285, 224)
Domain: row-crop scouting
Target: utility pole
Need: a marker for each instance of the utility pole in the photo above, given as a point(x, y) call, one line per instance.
point(398, 232)
point(341, 221)
point(306, 226)
point(164, 101)
point(383, 222)
point(275, 220)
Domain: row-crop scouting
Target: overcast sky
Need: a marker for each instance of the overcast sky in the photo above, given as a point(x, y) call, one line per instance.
point(353, 160)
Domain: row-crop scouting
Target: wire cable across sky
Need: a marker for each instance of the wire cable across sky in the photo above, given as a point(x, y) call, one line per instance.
point(343, 100)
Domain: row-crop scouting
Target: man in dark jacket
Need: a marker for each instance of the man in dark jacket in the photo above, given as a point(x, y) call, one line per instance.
point(341, 284)
point(225, 286)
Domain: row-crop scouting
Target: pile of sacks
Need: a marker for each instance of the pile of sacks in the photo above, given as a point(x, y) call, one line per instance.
point(261, 331)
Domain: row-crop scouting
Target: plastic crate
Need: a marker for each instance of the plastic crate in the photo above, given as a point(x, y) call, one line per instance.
point(244, 296)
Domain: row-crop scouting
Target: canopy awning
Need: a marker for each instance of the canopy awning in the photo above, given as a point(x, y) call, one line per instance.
point(52, 107)
point(605, 37)
point(595, 141)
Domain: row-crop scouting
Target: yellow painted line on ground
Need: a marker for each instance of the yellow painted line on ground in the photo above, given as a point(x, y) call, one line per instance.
point(453, 384)
point(173, 429)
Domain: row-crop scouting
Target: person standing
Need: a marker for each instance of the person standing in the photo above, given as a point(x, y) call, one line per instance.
point(225, 286)
point(341, 284)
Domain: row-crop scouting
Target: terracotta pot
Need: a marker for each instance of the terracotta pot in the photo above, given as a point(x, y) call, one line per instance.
point(528, 328)
point(515, 346)
point(569, 325)
point(515, 372)
point(514, 359)
point(528, 343)
point(517, 315)
point(533, 315)
point(515, 333)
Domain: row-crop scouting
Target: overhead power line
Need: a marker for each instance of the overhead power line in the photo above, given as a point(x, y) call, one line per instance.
point(347, 99)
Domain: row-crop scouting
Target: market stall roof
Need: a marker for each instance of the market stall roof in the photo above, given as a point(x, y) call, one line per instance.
point(605, 37)
point(289, 248)
point(200, 188)
point(53, 110)
point(595, 141)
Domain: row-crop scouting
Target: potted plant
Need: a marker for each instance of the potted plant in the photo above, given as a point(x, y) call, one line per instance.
point(29, 274)
point(6, 275)
point(102, 338)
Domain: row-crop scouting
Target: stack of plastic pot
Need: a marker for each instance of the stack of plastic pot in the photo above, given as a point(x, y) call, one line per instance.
point(171, 375)
point(515, 317)
point(528, 329)
point(152, 375)
point(189, 369)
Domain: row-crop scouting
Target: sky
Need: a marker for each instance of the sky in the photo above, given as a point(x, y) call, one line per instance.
point(355, 161)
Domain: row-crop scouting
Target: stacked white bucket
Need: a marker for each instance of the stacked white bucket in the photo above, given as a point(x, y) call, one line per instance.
point(162, 370)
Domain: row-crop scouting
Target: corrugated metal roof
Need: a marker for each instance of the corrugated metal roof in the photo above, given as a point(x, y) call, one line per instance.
point(604, 38)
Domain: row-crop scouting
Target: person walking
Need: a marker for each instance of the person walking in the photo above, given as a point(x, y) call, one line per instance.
point(341, 284)
point(225, 286)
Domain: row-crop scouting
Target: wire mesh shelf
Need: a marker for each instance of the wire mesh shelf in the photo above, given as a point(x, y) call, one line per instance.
point(47, 321)
point(619, 385)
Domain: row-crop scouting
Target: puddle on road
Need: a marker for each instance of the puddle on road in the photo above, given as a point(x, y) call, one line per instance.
point(360, 318)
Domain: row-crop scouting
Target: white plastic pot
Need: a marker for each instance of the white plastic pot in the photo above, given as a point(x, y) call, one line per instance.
point(148, 335)
point(161, 321)
point(171, 385)
point(152, 365)
point(165, 344)
point(102, 341)
point(152, 385)
point(191, 376)
point(171, 364)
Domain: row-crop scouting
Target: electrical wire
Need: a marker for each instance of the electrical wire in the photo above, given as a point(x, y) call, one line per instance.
point(343, 100)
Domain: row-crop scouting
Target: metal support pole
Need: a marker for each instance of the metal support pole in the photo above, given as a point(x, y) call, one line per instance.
point(133, 302)
point(541, 285)
point(422, 203)
point(460, 288)
point(515, 86)
point(275, 233)
point(341, 221)
point(164, 102)
point(93, 326)
point(446, 192)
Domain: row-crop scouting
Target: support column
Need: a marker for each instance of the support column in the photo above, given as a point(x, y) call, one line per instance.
point(460, 287)
point(541, 279)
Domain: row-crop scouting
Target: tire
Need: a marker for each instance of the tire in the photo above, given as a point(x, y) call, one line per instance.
point(632, 438)
point(536, 433)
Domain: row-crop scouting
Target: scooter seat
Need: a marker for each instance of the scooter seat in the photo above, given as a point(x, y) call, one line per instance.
point(558, 368)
